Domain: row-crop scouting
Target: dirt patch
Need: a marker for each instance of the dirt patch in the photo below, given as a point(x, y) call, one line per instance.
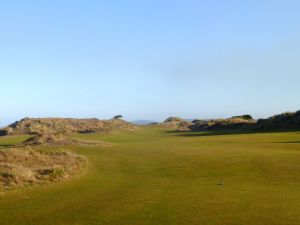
point(29, 166)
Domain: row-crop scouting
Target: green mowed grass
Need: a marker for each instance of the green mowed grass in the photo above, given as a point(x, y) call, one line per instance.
point(153, 176)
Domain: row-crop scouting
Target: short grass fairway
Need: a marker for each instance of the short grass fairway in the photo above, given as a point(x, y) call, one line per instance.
point(154, 176)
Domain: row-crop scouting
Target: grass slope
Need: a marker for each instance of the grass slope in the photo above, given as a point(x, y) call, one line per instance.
point(157, 177)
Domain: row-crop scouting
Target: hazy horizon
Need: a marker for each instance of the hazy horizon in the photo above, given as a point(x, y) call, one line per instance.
point(149, 60)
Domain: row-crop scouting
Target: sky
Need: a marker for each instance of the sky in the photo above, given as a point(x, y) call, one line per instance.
point(148, 59)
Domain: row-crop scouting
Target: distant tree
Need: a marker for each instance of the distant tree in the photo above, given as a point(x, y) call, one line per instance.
point(245, 117)
point(117, 117)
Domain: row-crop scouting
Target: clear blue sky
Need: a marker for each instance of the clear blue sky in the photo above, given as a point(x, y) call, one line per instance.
point(148, 59)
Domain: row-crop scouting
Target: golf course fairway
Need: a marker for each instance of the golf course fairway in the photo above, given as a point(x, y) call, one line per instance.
point(157, 176)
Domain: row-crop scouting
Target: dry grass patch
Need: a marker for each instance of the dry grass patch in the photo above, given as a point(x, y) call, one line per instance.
point(28, 166)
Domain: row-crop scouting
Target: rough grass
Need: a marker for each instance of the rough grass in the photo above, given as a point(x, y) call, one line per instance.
point(154, 176)
point(28, 166)
point(59, 140)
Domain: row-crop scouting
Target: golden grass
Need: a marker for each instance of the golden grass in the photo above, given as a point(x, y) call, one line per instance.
point(27, 166)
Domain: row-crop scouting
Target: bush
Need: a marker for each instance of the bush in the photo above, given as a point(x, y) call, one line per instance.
point(288, 120)
point(245, 117)
point(173, 119)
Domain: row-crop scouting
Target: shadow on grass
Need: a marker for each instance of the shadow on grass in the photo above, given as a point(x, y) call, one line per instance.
point(226, 132)
point(287, 142)
point(6, 146)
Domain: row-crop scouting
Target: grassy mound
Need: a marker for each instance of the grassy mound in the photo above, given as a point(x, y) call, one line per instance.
point(284, 121)
point(23, 167)
point(289, 120)
point(175, 123)
point(59, 139)
point(57, 125)
point(219, 124)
